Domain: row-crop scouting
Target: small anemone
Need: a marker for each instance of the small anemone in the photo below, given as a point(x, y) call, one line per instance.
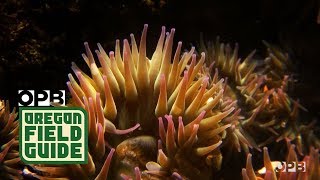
point(10, 162)
point(179, 149)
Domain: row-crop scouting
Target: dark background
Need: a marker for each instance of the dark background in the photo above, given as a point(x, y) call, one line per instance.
point(40, 38)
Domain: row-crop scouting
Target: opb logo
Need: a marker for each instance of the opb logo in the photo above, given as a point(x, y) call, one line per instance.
point(291, 167)
point(41, 97)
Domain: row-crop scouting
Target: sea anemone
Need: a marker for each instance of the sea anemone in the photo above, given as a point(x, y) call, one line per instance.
point(163, 106)
point(261, 89)
point(9, 153)
point(311, 171)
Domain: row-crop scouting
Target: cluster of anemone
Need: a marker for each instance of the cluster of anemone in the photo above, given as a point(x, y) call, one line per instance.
point(173, 116)
point(10, 163)
point(261, 89)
